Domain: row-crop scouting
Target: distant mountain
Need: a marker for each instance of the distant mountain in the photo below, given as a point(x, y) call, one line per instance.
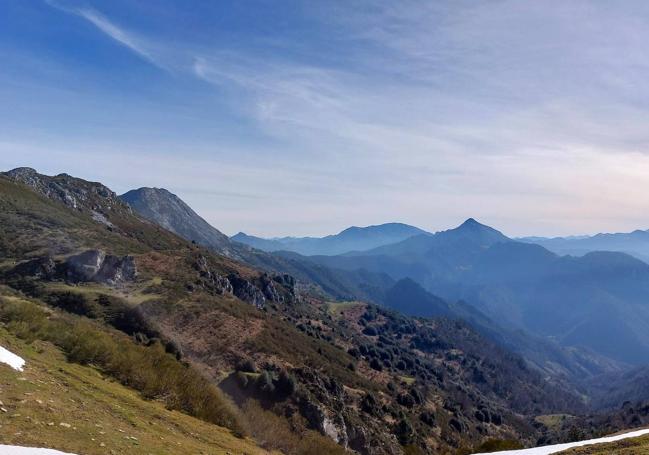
point(268, 245)
point(411, 299)
point(634, 243)
point(597, 301)
point(164, 208)
point(351, 239)
point(167, 210)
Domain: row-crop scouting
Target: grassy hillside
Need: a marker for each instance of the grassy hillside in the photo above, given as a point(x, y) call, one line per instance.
point(632, 446)
point(77, 408)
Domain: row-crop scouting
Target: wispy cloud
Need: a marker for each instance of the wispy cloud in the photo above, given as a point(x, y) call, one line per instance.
point(126, 38)
point(511, 111)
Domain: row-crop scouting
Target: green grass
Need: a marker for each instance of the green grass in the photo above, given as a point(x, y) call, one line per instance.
point(103, 416)
point(553, 421)
point(631, 446)
point(150, 370)
point(409, 380)
point(334, 308)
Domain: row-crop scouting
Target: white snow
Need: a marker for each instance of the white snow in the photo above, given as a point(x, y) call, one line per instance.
point(11, 359)
point(559, 447)
point(15, 450)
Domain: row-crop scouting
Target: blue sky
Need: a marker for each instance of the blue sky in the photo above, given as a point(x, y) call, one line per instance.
point(305, 117)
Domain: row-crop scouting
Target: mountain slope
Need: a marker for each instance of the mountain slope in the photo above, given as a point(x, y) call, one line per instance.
point(165, 209)
point(569, 366)
point(169, 211)
point(574, 300)
point(76, 408)
point(634, 243)
point(351, 239)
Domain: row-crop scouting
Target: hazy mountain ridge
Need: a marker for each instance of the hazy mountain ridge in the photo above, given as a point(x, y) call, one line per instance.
point(634, 243)
point(407, 297)
point(351, 239)
point(600, 293)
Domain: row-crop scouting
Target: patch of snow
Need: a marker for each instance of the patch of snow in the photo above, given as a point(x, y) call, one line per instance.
point(11, 359)
point(545, 450)
point(16, 450)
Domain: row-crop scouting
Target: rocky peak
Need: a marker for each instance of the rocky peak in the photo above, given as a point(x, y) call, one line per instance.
point(91, 197)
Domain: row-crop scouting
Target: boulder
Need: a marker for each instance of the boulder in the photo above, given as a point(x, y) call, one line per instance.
point(96, 265)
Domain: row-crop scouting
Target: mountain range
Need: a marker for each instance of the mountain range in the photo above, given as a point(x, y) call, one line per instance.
point(351, 239)
point(428, 343)
point(634, 243)
point(494, 277)
point(596, 301)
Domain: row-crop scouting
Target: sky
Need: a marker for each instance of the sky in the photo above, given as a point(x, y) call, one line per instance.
point(305, 117)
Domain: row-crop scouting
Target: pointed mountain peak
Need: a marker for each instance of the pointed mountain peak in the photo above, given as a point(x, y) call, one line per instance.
point(471, 223)
point(477, 230)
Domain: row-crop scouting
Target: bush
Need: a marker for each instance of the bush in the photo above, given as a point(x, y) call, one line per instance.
point(285, 384)
point(247, 366)
point(404, 432)
point(376, 365)
point(405, 399)
point(265, 384)
point(370, 331)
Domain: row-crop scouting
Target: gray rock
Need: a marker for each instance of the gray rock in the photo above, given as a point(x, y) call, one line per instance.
point(96, 265)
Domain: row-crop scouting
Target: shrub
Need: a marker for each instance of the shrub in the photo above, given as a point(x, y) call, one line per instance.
point(247, 366)
point(285, 384)
point(405, 399)
point(376, 365)
point(404, 432)
point(265, 384)
point(370, 331)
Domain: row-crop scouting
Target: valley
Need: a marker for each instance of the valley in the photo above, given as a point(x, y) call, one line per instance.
point(299, 370)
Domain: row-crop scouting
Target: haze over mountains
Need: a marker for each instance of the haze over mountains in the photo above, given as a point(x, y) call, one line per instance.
point(577, 322)
point(351, 239)
point(635, 243)
point(571, 300)
point(596, 301)
point(505, 284)
point(310, 374)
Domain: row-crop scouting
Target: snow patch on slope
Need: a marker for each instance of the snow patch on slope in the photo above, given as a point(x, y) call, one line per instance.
point(546, 450)
point(11, 359)
point(15, 450)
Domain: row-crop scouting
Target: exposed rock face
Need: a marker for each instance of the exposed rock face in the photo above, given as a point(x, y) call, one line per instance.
point(43, 268)
point(210, 279)
point(78, 194)
point(96, 265)
point(247, 291)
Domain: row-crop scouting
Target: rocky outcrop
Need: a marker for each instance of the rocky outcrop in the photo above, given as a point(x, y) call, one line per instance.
point(96, 265)
point(90, 197)
point(42, 268)
point(247, 291)
point(210, 279)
